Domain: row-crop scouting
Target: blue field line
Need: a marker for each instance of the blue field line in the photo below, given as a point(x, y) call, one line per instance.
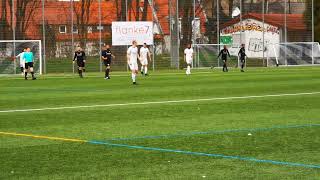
point(208, 155)
point(213, 132)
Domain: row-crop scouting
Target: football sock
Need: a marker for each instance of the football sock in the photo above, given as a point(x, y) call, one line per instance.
point(188, 69)
point(32, 73)
point(25, 74)
point(107, 72)
point(146, 70)
point(225, 67)
point(80, 73)
point(133, 77)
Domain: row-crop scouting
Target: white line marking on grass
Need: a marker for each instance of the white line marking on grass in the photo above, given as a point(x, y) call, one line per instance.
point(70, 76)
point(157, 102)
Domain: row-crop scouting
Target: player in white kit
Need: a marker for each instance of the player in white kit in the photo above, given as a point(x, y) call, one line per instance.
point(22, 63)
point(144, 55)
point(132, 60)
point(188, 57)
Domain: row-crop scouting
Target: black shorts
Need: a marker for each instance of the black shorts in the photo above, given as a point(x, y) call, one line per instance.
point(107, 63)
point(29, 64)
point(80, 63)
point(242, 60)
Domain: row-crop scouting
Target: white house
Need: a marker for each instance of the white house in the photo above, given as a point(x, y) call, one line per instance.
point(257, 31)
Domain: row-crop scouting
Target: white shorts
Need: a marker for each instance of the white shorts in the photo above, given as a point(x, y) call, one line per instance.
point(22, 65)
point(189, 61)
point(144, 62)
point(134, 66)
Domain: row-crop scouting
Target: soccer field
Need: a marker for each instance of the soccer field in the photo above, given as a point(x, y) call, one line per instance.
point(261, 124)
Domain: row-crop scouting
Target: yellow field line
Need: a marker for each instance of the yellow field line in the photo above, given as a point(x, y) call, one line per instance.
point(43, 137)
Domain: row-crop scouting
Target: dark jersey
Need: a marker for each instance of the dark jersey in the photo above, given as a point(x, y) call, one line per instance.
point(79, 56)
point(224, 53)
point(107, 54)
point(242, 53)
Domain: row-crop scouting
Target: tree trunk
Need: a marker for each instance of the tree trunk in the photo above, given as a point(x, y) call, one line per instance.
point(123, 10)
point(83, 14)
point(186, 22)
point(137, 10)
point(145, 10)
point(289, 8)
point(24, 12)
point(251, 4)
point(5, 30)
point(230, 7)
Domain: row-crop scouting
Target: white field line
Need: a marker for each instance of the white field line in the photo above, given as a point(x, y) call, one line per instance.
point(157, 102)
point(70, 76)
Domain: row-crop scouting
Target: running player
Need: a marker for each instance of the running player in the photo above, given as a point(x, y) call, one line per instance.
point(144, 55)
point(28, 58)
point(80, 56)
point(106, 57)
point(224, 53)
point(242, 55)
point(188, 56)
point(132, 57)
point(22, 62)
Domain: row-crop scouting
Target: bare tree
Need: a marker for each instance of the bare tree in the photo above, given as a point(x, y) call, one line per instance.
point(251, 5)
point(289, 8)
point(187, 9)
point(82, 11)
point(230, 7)
point(145, 10)
point(137, 14)
point(5, 29)
point(24, 12)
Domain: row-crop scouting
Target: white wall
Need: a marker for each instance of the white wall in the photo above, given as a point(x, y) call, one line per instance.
point(252, 36)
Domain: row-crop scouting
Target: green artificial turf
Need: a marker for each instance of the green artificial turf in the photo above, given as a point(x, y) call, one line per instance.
point(139, 135)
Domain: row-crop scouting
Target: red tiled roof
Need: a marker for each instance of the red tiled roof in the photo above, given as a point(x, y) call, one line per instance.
point(294, 21)
point(59, 13)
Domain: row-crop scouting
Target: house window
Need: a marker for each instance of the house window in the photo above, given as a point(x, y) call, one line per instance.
point(75, 30)
point(89, 28)
point(63, 29)
point(100, 28)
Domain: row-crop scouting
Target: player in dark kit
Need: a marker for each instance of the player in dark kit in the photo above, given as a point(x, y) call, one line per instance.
point(106, 57)
point(224, 53)
point(242, 55)
point(80, 56)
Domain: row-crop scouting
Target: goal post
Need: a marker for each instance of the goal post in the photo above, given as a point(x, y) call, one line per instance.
point(9, 49)
point(206, 55)
point(293, 54)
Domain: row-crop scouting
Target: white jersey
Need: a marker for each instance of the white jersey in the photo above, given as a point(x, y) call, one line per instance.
point(144, 53)
point(21, 59)
point(189, 54)
point(133, 55)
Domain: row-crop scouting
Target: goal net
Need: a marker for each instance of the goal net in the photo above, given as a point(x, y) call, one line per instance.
point(9, 49)
point(293, 54)
point(206, 55)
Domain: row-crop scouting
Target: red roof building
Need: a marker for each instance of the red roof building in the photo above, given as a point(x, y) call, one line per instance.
point(257, 31)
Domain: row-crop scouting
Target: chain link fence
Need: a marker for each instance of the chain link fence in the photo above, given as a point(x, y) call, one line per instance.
point(63, 25)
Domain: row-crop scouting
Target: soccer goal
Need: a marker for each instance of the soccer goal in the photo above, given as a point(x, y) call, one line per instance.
point(293, 54)
point(9, 49)
point(206, 55)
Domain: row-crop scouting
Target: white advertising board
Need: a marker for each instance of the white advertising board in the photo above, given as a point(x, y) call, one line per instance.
point(124, 32)
point(254, 34)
